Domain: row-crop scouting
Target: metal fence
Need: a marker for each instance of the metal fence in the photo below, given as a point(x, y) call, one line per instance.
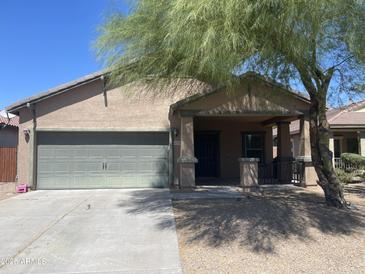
point(281, 172)
point(340, 164)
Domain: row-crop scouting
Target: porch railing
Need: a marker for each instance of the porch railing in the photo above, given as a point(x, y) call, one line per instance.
point(281, 172)
point(345, 165)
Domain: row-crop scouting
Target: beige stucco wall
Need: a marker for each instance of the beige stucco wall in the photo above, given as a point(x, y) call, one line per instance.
point(295, 142)
point(127, 108)
point(135, 107)
point(250, 98)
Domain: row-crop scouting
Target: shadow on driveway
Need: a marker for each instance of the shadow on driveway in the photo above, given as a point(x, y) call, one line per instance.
point(153, 203)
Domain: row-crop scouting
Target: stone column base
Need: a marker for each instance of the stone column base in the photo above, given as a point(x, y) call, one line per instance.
point(187, 171)
point(249, 176)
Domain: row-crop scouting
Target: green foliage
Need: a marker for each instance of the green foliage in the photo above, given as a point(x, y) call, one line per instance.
point(213, 41)
point(344, 177)
point(353, 159)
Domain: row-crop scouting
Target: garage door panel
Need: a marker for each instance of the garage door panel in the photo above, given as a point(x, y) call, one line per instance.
point(86, 181)
point(133, 181)
point(102, 161)
point(152, 151)
point(51, 167)
point(57, 181)
point(87, 166)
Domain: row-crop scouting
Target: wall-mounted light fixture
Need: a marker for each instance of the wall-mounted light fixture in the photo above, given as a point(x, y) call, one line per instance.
point(26, 132)
point(175, 131)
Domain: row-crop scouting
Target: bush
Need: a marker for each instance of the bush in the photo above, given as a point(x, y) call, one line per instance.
point(343, 176)
point(353, 159)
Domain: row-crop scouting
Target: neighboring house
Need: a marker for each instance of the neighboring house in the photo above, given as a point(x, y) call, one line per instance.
point(347, 125)
point(85, 135)
point(9, 131)
point(8, 146)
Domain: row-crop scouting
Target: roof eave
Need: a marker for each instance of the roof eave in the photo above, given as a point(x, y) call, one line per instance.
point(14, 108)
point(347, 126)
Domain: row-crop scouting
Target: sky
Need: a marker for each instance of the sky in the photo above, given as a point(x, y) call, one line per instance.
point(44, 43)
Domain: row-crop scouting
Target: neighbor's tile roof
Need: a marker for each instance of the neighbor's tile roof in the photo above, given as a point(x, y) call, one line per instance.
point(12, 122)
point(348, 118)
point(347, 115)
point(338, 117)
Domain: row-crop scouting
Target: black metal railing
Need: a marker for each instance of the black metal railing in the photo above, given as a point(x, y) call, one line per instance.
point(340, 164)
point(281, 172)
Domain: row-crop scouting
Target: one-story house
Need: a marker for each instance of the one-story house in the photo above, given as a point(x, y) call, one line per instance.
point(347, 126)
point(84, 134)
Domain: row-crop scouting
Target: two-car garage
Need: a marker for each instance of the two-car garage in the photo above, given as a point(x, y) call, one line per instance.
point(84, 160)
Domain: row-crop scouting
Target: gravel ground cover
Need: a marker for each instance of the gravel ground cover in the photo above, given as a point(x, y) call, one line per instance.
point(7, 190)
point(275, 232)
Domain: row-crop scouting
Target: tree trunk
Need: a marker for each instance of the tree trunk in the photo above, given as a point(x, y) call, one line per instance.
point(321, 155)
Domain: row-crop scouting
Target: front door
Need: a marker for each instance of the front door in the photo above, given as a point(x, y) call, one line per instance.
point(207, 153)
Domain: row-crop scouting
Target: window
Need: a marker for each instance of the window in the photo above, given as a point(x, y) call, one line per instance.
point(253, 145)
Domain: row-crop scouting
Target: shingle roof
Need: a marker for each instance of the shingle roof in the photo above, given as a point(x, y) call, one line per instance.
point(54, 91)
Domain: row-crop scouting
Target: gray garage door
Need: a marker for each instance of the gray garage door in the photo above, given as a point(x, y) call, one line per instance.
point(102, 160)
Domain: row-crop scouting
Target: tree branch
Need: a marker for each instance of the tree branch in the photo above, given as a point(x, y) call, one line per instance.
point(340, 63)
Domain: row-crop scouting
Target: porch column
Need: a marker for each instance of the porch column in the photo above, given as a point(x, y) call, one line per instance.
point(362, 143)
point(331, 146)
point(310, 176)
point(284, 151)
point(249, 174)
point(187, 160)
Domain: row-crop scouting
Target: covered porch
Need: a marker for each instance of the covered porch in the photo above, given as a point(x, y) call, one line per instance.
point(218, 143)
point(350, 140)
point(217, 131)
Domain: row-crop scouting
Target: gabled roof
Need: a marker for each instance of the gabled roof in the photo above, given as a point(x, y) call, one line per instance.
point(246, 75)
point(348, 119)
point(347, 116)
point(14, 108)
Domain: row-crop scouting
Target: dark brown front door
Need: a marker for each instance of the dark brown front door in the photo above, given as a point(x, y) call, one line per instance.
point(207, 152)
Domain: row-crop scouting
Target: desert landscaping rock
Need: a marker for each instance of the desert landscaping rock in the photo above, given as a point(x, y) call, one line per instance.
point(281, 232)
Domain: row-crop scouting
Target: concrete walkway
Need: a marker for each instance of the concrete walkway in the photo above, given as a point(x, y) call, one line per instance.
point(89, 231)
point(228, 192)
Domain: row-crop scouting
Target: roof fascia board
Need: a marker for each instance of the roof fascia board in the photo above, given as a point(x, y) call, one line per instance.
point(17, 106)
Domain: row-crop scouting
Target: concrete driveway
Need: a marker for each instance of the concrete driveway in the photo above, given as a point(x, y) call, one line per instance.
point(89, 231)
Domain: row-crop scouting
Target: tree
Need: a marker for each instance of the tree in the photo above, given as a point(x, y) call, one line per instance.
point(315, 42)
